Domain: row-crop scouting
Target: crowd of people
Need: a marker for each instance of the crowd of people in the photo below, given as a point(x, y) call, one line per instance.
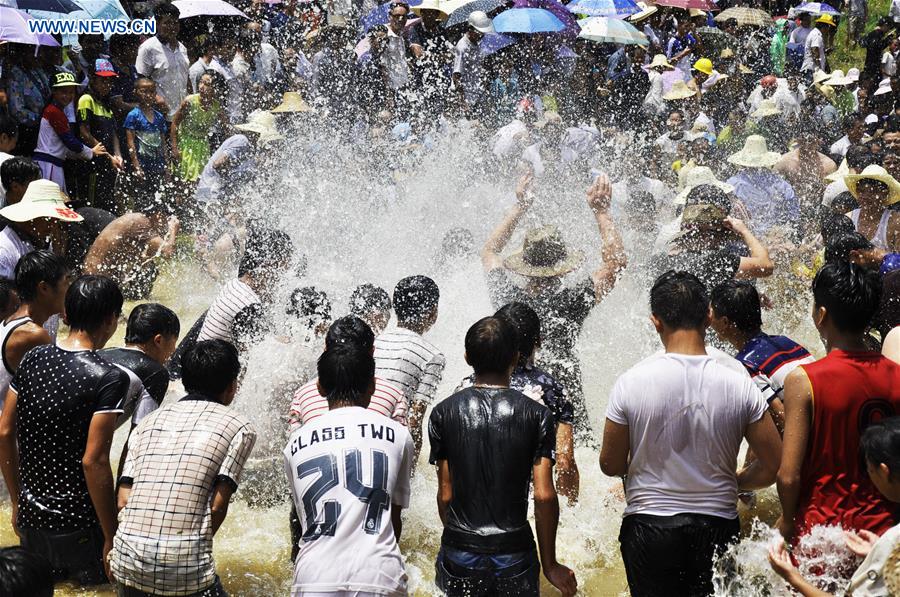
point(744, 153)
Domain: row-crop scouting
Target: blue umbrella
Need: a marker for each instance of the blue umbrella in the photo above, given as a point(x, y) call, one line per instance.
point(380, 14)
point(527, 20)
point(817, 8)
point(461, 14)
point(605, 8)
point(494, 42)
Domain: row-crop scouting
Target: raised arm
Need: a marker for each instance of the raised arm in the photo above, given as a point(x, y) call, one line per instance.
point(490, 253)
point(797, 421)
point(599, 197)
point(759, 264)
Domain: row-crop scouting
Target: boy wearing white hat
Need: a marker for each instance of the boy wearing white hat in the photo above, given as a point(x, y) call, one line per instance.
point(467, 70)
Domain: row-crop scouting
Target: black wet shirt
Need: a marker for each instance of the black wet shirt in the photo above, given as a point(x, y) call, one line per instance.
point(59, 392)
point(491, 438)
point(154, 376)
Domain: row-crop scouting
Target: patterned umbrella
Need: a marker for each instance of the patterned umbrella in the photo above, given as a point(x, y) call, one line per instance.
point(817, 8)
point(745, 17)
point(604, 8)
point(611, 31)
point(688, 4)
point(461, 14)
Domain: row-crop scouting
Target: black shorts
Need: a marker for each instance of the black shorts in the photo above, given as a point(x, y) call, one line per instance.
point(75, 556)
point(673, 555)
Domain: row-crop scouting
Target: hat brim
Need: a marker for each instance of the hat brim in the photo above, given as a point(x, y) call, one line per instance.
point(485, 29)
point(674, 97)
point(264, 132)
point(28, 211)
point(516, 263)
point(644, 14)
point(291, 108)
point(106, 73)
point(66, 84)
point(681, 198)
point(851, 180)
point(754, 160)
point(764, 113)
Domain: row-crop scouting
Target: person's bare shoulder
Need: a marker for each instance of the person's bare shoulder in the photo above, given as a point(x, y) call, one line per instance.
point(126, 228)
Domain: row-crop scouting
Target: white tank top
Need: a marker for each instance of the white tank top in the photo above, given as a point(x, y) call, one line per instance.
point(880, 238)
point(6, 372)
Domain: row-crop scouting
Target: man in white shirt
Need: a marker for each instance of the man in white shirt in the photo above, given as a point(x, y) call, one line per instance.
point(674, 426)
point(800, 33)
point(814, 47)
point(395, 53)
point(467, 70)
point(164, 59)
point(349, 472)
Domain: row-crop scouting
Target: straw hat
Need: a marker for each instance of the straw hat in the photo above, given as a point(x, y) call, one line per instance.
point(827, 19)
point(42, 199)
point(291, 102)
point(440, 7)
point(853, 75)
point(550, 118)
point(704, 65)
point(700, 175)
point(883, 87)
point(543, 255)
point(696, 12)
point(767, 107)
point(872, 172)
point(755, 154)
point(660, 61)
point(679, 91)
point(820, 76)
point(726, 54)
point(891, 571)
point(647, 10)
point(263, 123)
point(826, 90)
point(838, 79)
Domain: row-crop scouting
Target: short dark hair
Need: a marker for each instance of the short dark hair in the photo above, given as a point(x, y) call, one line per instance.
point(24, 573)
point(36, 267)
point(219, 84)
point(415, 298)
point(7, 291)
point(838, 246)
point(892, 124)
point(835, 223)
point(527, 324)
point(8, 126)
point(850, 120)
point(492, 345)
point(20, 170)
point(843, 203)
point(352, 331)
point(739, 302)
point(345, 373)
point(880, 444)
point(310, 305)
point(368, 298)
point(90, 301)
point(148, 320)
point(849, 293)
point(707, 194)
point(859, 156)
point(166, 9)
point(209, 367)
point(680, 301)
point(266, 248)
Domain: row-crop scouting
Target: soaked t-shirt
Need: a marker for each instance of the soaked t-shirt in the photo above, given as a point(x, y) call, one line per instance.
point(153, 375)
point(491, 438)
point(59, 392)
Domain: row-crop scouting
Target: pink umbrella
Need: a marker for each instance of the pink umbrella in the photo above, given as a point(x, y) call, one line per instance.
point(14, 29)
point(558, 10)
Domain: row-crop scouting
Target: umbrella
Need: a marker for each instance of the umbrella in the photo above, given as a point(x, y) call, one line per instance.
point(61, 6)
point(559, 11)
point(206, 8)
point(494, 42)
point(379, 15)
point(745, 17)
point(715, 40)
point(817, 8)
point(688, 4)
point(527, 20)
point(14, 28)
point(461, 14)
point(365, 44)
point(611, 31)
point(604, 8)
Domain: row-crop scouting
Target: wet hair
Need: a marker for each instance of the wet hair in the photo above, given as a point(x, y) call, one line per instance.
point(90, 301)
point(166, 10)
point(8, 126)
point(850, 120)
point(492, 345)
point(7, 295)
point(218, 83)
point(892, 124)
point(527, 324)
point(678, 111)
point(250, 325)
point(20, 170)
point(860, 156)
point(210, 367)
point(143, 81)
point(843, 203)
point(24, 573)
point(888, 316)
point(849, 293)
point(458, 242)
point(120, 41)
point(880, 444)
point(838, 246)
point(710, 195)
point(266, 249)
point(835, 223)
point(739, 302)
point(350, 330)
point(680, 301)
point(368, 298)
point(345, 373)
point(148, 320)
point(415, 299)
point(36, 267)
point(310, 305)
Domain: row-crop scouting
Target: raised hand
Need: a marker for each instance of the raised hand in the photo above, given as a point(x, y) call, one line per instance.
point(599, 195)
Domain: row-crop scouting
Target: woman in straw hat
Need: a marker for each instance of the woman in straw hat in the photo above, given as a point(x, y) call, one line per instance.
point(879, 573)
point(543, 261)
point(877, 218)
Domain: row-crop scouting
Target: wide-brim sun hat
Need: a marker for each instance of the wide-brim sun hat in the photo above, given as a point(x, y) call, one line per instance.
point(291, 102)
point(755, 154)
point(827, 19)
point(261, 122)
point(872, 172)
point(435, 5)
point(42, 199)
point(543, 255)
point(820, 76)
point(679, 91)
point(838, 79)
point(767, 107)
point(884, 87)
point(700, 175)
point(481, 22)
point(660, 61)
point(647, 11)
point(853, 75)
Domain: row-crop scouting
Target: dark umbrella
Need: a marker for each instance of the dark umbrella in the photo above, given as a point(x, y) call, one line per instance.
point(461, 14)
point(715, 40)
point(61, 6)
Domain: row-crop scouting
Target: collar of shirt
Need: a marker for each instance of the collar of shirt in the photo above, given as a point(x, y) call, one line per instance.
point(201, 397)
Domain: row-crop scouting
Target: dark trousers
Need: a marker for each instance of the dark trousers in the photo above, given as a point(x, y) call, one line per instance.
point(75, 556)
point(463, 573)
point(673, 555)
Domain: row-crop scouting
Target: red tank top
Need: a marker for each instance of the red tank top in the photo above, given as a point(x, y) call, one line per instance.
point(851, 390)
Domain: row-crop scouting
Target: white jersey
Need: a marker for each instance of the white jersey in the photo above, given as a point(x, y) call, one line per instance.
point(346, 469)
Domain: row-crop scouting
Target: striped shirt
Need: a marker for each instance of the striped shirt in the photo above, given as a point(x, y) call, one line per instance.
point(309, 404)
point(232, 299)
point(410, 362)
point(769, 360)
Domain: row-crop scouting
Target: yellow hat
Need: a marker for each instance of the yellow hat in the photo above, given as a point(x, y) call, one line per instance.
point(292, 102)
point(704, 65)
point(875, 172)
point(827, 19)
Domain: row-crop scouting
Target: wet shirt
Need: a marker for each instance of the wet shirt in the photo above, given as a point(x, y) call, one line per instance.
point(538, 385)
point(491, 438)
point(59, 392)
point(149, 138)
point(154, 376)
point(769, 360)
